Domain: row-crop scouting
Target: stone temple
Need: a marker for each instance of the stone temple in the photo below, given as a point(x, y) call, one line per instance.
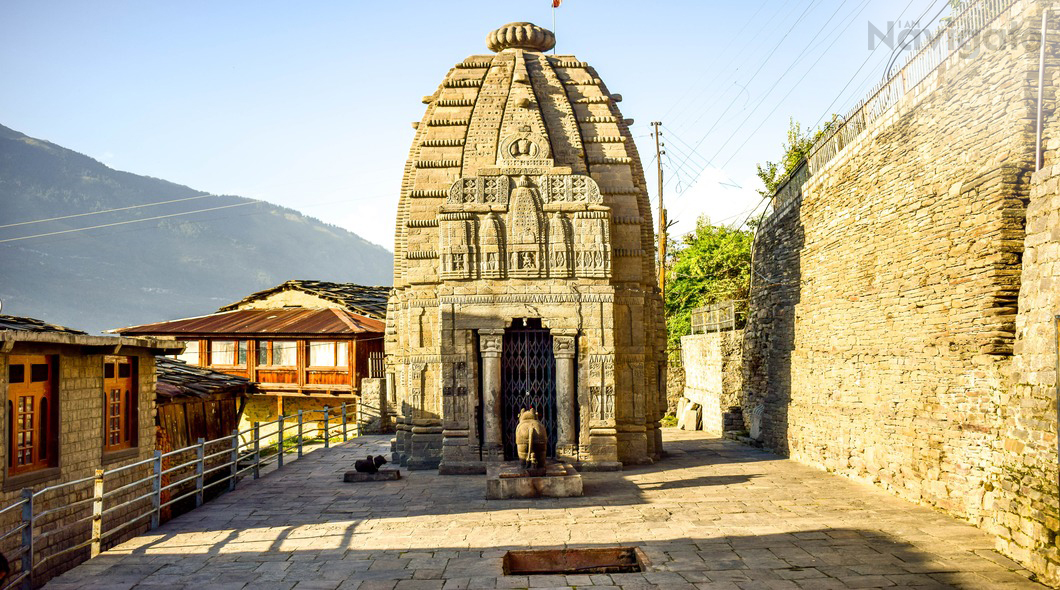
point(524, 273)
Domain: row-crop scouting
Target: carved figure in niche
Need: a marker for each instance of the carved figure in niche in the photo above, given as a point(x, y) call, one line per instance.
point(526, 230)
point(457, 248)
point(531, 441)
point(592, 254)
point(523, 148)
point(492, 247)
point(559, 241)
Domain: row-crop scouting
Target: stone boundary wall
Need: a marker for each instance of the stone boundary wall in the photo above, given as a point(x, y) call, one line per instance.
point(884, 308)
point(713, 374)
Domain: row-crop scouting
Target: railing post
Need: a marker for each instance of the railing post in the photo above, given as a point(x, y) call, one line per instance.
point(156, 495)
point(327, 427)
point(257, 451)
point(234, 467)
point(345, 435)
point(97, 513)
point(300, 425)
point(279, 443)
point(27, 537)
point(200, 459)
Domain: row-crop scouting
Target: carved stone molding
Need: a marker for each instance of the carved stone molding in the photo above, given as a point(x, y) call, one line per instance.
point(528, 298)
point(562, 345)
point(491, 342)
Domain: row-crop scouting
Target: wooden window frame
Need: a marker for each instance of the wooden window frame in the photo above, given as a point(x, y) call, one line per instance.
point(42, 401)
point(345, 359)
point(246, 351)
point(269, 365)
point(198, 351)
point(121, 404)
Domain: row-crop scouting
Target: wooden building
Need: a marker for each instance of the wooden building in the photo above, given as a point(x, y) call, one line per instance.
point(194, 402)
point(308, 344)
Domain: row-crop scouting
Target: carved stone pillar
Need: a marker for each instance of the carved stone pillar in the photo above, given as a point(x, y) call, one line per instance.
point(566, 379)
point(490, 343)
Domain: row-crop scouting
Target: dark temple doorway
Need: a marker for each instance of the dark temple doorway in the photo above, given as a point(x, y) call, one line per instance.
point(528, 380)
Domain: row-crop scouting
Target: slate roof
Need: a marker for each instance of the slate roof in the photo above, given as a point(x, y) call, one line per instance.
point(13, 322)
point(178, 379)
point(23, 329)
point(288, 321)
point(365, 300)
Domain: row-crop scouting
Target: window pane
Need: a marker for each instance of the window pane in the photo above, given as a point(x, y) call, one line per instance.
point(16, 373)
point(191, 352)
point(124, 370)
point(263, 352)
point(283, 353)
point(242, 353)
point(322, 354)
point(342, 354)
point(38, 373)
point(222, 352)
point(108, 370)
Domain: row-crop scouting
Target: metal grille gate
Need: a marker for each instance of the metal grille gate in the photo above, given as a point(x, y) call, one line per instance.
point(528, 380)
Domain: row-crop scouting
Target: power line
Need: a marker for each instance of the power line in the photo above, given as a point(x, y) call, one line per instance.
point(107, 211)
point(757, 71)
point(67, 231)
point(776, 106)
point(776, 83)
point(845, 86)
point(705, 70)
point(780, 78)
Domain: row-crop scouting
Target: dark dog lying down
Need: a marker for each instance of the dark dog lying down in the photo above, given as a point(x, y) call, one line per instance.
point(369, 465)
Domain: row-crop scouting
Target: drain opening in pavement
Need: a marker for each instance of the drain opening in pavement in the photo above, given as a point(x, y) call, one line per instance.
point(609, 560)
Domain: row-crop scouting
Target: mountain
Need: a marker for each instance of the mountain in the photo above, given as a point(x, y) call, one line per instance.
point(168, 265)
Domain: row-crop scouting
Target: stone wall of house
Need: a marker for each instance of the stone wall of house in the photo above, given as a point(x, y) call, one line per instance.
point(713, 368)
point(887, 300)
point(80, 385)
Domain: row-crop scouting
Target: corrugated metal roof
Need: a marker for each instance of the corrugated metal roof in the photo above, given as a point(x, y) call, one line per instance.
point(369, 301)
point(179, 379)
point(286, 321)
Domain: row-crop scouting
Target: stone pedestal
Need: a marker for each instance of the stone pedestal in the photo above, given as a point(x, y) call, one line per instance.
point(381, 475)
point(510, 480)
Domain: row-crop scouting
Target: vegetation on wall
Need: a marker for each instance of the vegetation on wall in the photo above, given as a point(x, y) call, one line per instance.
point(798, 146)
point(709, 265)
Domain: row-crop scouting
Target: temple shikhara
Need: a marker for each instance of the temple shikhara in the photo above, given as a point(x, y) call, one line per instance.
point(524, 273)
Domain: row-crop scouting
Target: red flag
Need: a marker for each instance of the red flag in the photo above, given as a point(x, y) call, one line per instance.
point(555, 3)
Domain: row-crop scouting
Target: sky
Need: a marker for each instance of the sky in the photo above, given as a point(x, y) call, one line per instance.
point(309, 104)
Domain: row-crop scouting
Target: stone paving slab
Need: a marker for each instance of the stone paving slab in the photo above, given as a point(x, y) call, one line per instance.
point(714, 514)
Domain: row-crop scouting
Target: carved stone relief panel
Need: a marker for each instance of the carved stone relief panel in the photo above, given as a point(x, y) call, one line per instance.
point(479, 190)
point(570, 188)
point(592, 244)
point(525, 232)
point(561, 259)
point(459, 245)
point(492, 248)
point(454, 395)
point(602, 387)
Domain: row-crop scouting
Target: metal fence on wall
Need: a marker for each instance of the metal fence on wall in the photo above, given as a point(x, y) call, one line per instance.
point(964, 27)
point(95, 510)
point(717, 317)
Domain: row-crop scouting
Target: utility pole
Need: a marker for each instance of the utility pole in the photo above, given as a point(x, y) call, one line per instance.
point(662, 213)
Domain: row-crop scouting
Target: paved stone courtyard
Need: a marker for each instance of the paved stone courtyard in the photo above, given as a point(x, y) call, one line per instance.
point(712, 514)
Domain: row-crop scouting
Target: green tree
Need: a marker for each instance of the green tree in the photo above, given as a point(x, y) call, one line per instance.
point(795, 151)
point(709, 265)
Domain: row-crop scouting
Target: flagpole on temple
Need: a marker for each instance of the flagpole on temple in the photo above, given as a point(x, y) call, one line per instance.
point(555, 4)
